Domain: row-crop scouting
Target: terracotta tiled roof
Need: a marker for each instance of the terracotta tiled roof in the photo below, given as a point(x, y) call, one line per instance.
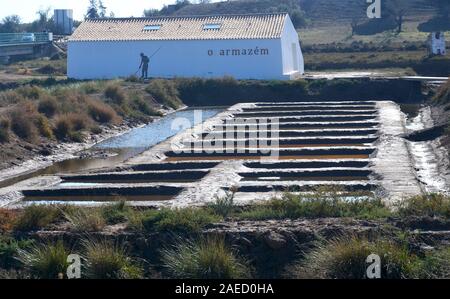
point(255, 26)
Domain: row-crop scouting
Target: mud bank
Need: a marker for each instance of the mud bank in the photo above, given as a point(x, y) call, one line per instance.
point(430, 158)
point(64, 151)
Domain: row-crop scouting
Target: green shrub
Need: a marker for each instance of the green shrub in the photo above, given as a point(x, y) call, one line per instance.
point(7, 220)
point(208, 258)
point(178, 220)
point(425, 205)
point(4, 135)
point(62, 128)
point(53, 69)
point(11, 97)
point(137, 218)
point(31, 92)
point(48, 106)
point(139, 104)
point(22, 124)
point(4, 130)
point(107, 260)
point(76, 137)
point(224, 206)
point(5, 123)
point(9, 249)
point(117, 213)
point(319, 204)
point(44, 127)
point(77, 121)
point(86, 219)
point(133, 79)
point(166, 92)
point(101, 112)
point(35, 217)
point(47, 261)
point(436, 264)
point(345, 258)
point(115, 93)
point(91, 87)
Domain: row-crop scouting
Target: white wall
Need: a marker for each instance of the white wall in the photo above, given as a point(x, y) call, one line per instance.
point(438, 46)
point(288, 38)
point(106, 60)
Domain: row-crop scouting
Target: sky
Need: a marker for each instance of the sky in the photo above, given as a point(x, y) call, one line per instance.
point(27, 9)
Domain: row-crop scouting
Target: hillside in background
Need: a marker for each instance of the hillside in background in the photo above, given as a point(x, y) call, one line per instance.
point(336, 21)
point(318, 11)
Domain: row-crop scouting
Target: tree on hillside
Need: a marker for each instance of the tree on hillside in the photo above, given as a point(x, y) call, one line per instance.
point(441, 20)
point(151, 12)
point(398, 9)
point(170, 9)
point(298, 18)
point(101, 9)
point(92, 11)
point(11, 24)
point(443, 8)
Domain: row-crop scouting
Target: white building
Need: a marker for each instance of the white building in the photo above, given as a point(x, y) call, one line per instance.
point(260, 46)
point(436, 43)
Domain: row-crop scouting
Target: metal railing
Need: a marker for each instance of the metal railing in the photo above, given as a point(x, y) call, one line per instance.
point(25, 38)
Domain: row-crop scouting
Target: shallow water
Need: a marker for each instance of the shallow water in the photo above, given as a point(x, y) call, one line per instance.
point(158, 131)
point(127, 145)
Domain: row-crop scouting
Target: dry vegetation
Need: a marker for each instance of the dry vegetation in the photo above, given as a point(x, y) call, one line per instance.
point(185, 254)
point(38, 115)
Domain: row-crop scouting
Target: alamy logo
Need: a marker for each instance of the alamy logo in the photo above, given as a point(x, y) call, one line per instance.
point(258, 136)
point(74, 269)
point(374, 9)
point(374, 269)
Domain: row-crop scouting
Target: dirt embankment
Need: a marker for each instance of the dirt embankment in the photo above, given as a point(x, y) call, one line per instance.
point(274, 244)
point(227, 91)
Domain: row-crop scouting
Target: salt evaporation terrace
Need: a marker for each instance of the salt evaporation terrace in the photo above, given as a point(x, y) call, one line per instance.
point(358, 146)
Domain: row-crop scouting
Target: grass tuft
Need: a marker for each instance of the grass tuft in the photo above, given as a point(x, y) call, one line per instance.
point(115, 93)
point(35, 217)
point(117, 213)
point(48, 106)
point(22, 122)
point(425, 205)
point(208, 258)
point(165, 92)
point(44, 127)
point(9, 249)
point(101, 112)
point(345, 258)
point(86, 219)
point(31, 92)
point(107, 260)
point(224, 206)
point(47, 261)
